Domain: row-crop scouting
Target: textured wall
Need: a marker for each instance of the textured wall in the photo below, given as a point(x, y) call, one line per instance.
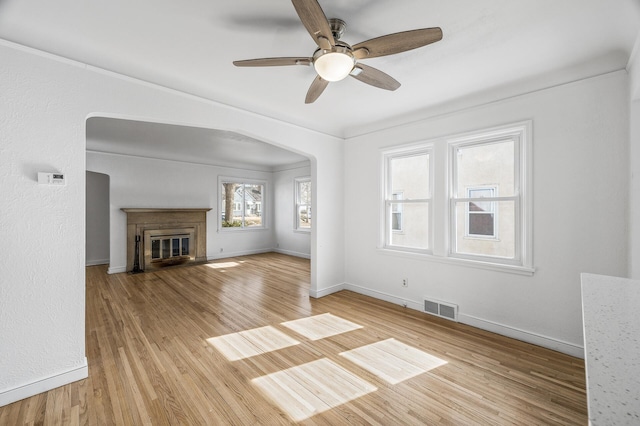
point(45, 103)
point(580, 223)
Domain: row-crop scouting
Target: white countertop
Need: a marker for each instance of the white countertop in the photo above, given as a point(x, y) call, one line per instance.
point(611, 318)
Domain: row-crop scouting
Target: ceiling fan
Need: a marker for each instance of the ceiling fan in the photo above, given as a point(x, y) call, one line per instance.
point(334, 59)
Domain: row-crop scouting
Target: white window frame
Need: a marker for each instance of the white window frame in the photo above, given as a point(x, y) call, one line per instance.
point(388, 196)
point(297, 204)
point(519, 133)
point(441, 226)
point(241, 181)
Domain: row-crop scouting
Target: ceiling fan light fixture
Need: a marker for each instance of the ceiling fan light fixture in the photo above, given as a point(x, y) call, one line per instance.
point(333, 65)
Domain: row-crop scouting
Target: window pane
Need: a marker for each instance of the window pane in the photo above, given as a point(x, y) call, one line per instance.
point(486, 234)
point(304, 217)
point(414, 226)
point(490, 164)
point(410, 176)
point(253, 201)
point(304, 192)
point(231, 195)
point(303, 203)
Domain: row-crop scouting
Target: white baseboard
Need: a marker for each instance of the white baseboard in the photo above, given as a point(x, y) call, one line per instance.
point(293, 253)
point(43, 385)
point(384, 296)
point(316, 294)
point(97, 262)
point(504, 330)
point(116, 269)
point(524, 335)
point(225, 255)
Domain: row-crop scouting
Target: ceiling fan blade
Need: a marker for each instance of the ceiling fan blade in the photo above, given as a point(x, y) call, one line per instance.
point(396, 43)
point(316, 89)
point(273, 62)
point(375, 77)
point(315, 21)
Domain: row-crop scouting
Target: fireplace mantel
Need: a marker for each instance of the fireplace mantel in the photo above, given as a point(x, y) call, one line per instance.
point(160, 210)
point(143, 221)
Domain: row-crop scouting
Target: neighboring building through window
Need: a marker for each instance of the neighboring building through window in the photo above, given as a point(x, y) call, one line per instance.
point(303, 204)
point(481, 215)
point(480, 193)
point(241, 204)
point(396, 213)
point(484, 185)
point(408, 199)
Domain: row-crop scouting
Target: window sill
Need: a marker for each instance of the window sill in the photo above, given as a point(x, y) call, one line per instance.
point(497, 267)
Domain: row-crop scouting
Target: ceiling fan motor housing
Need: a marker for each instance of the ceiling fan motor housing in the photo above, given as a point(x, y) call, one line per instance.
point(337, 27)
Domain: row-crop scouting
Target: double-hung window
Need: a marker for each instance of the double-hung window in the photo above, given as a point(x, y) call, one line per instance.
point(303, 204)
point(408, 199)
point(241, 204)
point(487, 207)
point(463, 198)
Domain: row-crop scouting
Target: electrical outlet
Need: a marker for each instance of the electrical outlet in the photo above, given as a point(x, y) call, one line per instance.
point(405, 282)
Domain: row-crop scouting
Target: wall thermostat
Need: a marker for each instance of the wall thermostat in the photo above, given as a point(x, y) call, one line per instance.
point(51, 178)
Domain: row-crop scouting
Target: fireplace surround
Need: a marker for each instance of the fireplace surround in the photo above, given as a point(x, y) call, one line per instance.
point(168, 237)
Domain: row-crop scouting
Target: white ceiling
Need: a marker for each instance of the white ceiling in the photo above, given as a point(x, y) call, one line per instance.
point(491, 49)
point(187, 144)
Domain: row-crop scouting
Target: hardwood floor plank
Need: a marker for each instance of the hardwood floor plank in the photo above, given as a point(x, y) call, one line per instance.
point(150, 362)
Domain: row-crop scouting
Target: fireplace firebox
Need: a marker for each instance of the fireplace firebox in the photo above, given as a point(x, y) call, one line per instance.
point(168, 237)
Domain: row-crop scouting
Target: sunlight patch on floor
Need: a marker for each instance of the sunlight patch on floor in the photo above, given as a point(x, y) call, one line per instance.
point(393, 361)
point(312, 388)
point(222, 265)
point(248, 343)
point(321, 326)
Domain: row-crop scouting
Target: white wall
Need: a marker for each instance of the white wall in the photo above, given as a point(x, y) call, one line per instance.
point(45, 104)
point(144, 182)
point(288, 240)
point(634, 189)
point(633, 68)
point(580, 184)
point(97, 219)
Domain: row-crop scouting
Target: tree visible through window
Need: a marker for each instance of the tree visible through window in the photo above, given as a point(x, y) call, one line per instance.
point(241, 204)
point(303, 203)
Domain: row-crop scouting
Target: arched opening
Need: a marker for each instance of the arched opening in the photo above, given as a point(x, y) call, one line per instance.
point(161, 165)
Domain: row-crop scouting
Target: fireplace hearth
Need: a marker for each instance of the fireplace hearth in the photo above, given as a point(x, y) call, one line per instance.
point(168, 237)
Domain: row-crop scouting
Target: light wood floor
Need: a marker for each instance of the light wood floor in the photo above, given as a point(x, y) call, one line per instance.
point(150, 362)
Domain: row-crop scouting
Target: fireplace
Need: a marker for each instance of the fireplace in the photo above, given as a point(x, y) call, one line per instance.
point(168, 237)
